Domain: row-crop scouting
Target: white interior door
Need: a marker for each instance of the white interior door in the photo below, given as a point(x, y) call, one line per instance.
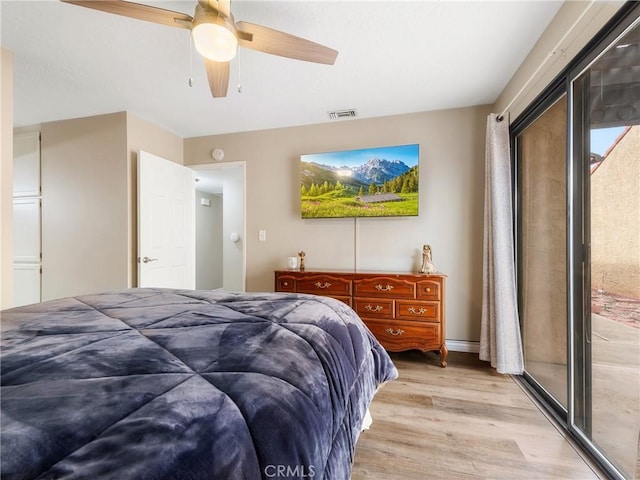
point(166, 223)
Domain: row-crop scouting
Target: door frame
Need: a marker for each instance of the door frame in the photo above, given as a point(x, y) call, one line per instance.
point(574, 420)
point(243, 230)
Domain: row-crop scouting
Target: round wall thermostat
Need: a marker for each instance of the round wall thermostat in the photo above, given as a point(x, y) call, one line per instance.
point(217, 154)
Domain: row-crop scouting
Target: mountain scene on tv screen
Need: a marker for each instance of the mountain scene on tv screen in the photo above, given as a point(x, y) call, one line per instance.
point(375, 188)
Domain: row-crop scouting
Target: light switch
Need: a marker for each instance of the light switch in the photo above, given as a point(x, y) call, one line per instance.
point(262, 235)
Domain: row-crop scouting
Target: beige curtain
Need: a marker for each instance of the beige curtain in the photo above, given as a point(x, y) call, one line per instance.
point(500, 341)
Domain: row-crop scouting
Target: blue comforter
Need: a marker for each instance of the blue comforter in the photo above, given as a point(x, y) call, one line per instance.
point(176, 384)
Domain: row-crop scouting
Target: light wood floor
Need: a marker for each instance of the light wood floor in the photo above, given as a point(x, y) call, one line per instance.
point(460, 422)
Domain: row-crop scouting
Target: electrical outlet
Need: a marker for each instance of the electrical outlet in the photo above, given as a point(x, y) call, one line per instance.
point(262, 235)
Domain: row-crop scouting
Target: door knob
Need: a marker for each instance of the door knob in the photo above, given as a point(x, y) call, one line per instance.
point(147, 259)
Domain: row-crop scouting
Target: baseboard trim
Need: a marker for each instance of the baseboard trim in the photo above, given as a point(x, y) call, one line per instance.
point(463, 346)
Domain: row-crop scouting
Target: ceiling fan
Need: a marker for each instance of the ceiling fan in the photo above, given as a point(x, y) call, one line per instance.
point(216, 35)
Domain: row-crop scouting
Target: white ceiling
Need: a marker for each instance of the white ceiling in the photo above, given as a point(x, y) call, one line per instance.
point(395, 57)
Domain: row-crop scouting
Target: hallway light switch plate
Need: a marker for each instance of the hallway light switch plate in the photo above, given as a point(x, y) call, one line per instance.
point(262, 235)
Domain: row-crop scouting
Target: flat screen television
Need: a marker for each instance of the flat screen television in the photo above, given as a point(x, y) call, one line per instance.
point(369, 182)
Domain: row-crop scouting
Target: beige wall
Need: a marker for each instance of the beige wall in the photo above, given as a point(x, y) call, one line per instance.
point(89, 195)
point(451, 198)
point(6, 179)
point(147, 136)
point(615, 219)
point(452, 159)
point(572, 40)
point(85, 207)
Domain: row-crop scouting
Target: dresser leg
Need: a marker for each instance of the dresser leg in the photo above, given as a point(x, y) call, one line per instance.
point(443, 355)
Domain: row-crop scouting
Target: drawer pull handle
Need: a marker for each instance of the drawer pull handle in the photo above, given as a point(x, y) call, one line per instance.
point(427, 290)
point(420, 311)
point(386, 288)
point(322, 285)
point(371, 308)
point(391, 331)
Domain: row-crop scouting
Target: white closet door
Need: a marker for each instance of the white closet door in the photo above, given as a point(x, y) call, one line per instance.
point(26, 164)
point(26, 230)
point(26, 284)
point(26, 218)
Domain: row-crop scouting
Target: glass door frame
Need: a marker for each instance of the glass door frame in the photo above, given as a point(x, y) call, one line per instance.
point(576, 418)
point(579, 422)
point(553, 94)
point(578, 249)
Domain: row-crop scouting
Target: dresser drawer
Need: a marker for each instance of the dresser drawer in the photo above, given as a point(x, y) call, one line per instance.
point(373, 307)
point(429, 290)
point(384, 287)
point(285, 283)
point(397, 336)
point(324, 285)
point(418, 311)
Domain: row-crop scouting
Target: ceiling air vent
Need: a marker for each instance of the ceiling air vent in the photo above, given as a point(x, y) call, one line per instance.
point(340, 114)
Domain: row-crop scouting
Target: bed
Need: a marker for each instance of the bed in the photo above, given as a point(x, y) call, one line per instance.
point(184, 384)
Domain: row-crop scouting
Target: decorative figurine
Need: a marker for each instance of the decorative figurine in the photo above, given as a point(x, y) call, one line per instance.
point(301, 255)
point(427, 261)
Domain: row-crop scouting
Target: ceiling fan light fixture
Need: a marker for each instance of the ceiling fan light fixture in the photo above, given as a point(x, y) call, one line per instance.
point(214, 38)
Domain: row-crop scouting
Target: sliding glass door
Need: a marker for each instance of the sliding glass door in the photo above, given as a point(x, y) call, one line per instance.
point(577, 198)
point(542, 249)
point(607, 334)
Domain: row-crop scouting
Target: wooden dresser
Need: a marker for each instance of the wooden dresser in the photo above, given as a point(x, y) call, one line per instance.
point(403, 310)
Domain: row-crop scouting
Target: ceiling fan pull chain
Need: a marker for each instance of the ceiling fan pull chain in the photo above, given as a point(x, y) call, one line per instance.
point(239, 76)
point(190, 61)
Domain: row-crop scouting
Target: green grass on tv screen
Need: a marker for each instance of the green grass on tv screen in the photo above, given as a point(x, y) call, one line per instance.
point(344, 203)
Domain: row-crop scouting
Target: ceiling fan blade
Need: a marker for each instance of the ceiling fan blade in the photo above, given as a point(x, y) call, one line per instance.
point(275, 42)
point(224, 7)
point(218, 75)
point(221, 6)
point(136, 10)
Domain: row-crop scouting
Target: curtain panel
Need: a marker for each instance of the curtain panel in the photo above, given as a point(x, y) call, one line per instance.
point(500, 340)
